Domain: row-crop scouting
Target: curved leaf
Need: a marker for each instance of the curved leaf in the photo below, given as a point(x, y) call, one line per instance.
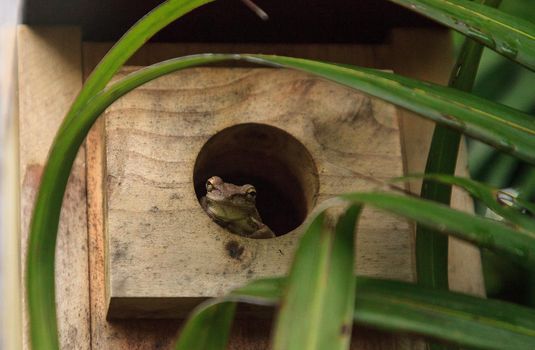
point(460, 319)
point(503, 204)
point(501, 126)
point(508, 35)
point(317, 304)
point(518, 245)
point(45, 218)
point(209, 329)
point(405, 307)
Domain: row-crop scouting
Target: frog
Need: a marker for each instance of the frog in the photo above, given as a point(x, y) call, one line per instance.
point(234, 208)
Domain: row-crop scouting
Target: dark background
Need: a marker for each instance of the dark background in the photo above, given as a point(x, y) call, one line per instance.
point(303, 21)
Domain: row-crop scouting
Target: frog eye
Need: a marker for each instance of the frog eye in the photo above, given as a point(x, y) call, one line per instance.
point(251, 192)
point(209, 185)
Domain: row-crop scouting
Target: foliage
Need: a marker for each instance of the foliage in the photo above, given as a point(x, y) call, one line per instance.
point(407, 308)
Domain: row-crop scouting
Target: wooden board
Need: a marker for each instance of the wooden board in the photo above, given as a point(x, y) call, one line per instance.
point(163, 248)
point(49, 72)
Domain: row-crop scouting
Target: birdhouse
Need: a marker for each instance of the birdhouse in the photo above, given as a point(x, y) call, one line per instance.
point(135, 240)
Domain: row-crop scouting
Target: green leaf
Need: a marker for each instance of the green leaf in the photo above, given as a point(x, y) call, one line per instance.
point(501, 126)
point(317, 305)
point(209, 324)
point(456, 318)
point(408, 308)
point(492, 197)
point(209, 329)
point(508, 35)
point(431, 247)
point(496, 236)
point(45, 218)
point(498, 125)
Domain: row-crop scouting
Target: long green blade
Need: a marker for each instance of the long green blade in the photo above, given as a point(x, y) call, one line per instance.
point(456, 318)
point(432, 247)
point(518, 245)
point(45, 219)
point(494, 198)
point(508, 35)
point(317, 305)
point(501, 126)
point(408, 308)
point(209, 329)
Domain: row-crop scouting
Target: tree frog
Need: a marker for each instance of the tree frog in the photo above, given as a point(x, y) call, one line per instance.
point(234, 208)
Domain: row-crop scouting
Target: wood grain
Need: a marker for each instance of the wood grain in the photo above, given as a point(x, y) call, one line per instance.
point(49, 71)
point(161, 244)
point(129, 334)
point(247, 334)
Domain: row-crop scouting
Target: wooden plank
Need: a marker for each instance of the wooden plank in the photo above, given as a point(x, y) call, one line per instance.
point(247, 334)
point(129, 334)
point(335, 140)
point(423, 54)
point(49, 70)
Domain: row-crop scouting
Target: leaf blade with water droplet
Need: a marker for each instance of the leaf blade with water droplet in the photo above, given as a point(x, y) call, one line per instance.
point(501, 126)
point(488, 195)
point(508, 35)
point(496, 236)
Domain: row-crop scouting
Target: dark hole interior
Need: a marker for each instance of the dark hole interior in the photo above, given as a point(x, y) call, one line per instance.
point(273, 161)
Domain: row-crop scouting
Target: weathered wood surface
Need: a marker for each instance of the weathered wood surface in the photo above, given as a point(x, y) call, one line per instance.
point(247, 334)
point(161, 244)
point(400, 54)
point(49, 73)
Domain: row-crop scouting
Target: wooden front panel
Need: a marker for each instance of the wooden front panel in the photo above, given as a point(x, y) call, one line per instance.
point(242, 124)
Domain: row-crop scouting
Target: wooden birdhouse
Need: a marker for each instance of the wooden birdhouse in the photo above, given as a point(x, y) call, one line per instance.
point(135, 241)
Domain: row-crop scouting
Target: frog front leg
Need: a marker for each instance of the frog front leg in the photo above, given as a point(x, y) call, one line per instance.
point(263, 231)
